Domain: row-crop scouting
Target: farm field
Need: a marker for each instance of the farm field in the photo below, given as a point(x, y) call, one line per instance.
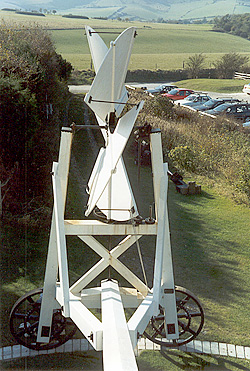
point(169, 46)
point(157, 46)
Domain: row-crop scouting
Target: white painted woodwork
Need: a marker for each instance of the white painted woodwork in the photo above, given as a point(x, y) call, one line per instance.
point(98, 50)
point(108, 85)
point(99, 267)
point(48, 301)
point(118, 353)
point(97, 46)
point(110, 156)
point(96, 227)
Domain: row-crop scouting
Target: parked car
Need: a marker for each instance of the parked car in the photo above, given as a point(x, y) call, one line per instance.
point(212, 103)
point(161, 89)
point(194, 100)
point(239, 111)
point(246, 89)
point(178, 93)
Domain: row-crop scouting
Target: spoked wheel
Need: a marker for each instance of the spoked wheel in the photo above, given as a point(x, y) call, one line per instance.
point(24, 320)
point(190, 320)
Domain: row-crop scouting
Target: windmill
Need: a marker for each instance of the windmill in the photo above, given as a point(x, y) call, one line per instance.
point(168, 315)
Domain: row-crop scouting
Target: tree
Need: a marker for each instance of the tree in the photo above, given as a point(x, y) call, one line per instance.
point(228, 64)
point(195, 64)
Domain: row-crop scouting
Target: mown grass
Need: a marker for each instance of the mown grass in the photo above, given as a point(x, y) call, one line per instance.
point(213, 85)
point(171, 360)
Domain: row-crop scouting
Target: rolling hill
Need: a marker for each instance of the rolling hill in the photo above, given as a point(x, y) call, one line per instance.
point(133, 10)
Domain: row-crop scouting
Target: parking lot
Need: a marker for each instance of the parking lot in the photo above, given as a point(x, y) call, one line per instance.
point(241, 96)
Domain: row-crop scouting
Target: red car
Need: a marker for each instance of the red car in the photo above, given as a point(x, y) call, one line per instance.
point(179, 93)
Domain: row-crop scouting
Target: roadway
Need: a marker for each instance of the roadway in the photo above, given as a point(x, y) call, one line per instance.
point(81, 89)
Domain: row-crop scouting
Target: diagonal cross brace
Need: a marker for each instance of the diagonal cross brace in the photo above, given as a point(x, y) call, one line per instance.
point(109, 258)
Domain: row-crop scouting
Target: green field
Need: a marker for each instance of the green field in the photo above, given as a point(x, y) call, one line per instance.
point(157, 46)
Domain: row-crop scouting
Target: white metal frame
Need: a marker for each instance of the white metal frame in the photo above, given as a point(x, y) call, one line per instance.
point(116, 337)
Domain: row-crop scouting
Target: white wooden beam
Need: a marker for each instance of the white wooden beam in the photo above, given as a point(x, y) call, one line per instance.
point(140, 319)
point(102, 264)
point(118, 353)
point(96, 227)
point(157, 164)
point(61, 239)
point(49, 290)
point(115, 263)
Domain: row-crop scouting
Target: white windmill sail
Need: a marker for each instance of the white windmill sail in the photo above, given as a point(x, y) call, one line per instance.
point(117, 200)
point(98, 50)
point(111, 203)
point(107, 91)
point(108, 159)
point(97, 46)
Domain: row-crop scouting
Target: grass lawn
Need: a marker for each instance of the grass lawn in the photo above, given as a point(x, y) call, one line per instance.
point(170, 360)
point(215, 85)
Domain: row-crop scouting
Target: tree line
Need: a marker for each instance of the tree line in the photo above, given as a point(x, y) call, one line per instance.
point(236, 24)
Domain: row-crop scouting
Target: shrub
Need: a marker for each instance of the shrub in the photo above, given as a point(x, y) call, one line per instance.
point(183, 158)
point(161, 107)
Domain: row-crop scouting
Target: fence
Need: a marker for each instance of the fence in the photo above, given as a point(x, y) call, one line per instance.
point(241, 76)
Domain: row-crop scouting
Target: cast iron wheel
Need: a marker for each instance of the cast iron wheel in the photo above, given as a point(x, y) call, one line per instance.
point(24, 320)
point(190, 320)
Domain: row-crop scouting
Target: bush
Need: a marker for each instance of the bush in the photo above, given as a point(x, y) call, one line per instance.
point(228, 64)
point(33, 95)
point(183, 158)
point(161, 107)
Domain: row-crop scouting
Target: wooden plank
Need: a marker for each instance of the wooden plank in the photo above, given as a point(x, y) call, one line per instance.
point(141, 343)
point(16, 351)
point(240, 351)
point(7, 352)
point(96, 227)
point(149, 344)
point(76, 345)
point(215, 348)
point(68, 346)
point(118, 352)
point(247, 352)
point(190, 347)
point(206, 347)
point(25, 352)
point(231, 350)
point(223, 349)
point(84, 345)
point(198, 346)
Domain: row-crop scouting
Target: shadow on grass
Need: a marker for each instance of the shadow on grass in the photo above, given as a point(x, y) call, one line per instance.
point(194, 361)
point(77, 361)
point(203, 248)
